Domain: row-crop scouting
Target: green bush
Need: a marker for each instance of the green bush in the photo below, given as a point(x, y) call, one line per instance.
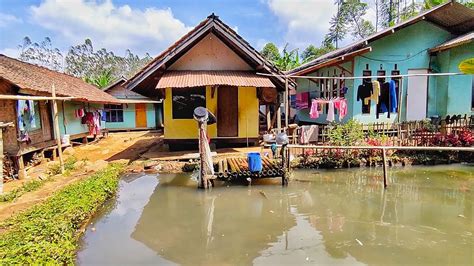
point(17, 192)
point(55, 169)
point(48, 233)
point(348, 134)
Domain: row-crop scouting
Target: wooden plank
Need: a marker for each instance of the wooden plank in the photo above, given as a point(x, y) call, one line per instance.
point(227, 112)
point(140, 115)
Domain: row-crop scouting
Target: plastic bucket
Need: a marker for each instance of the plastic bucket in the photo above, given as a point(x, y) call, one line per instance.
point(254, 162)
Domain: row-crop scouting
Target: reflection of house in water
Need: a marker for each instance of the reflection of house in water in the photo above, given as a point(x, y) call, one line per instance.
point(188, 226)
point(397, 225)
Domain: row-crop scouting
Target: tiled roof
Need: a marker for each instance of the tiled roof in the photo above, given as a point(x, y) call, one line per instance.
point(40, 79)
point(185, 79)
point(466, 38)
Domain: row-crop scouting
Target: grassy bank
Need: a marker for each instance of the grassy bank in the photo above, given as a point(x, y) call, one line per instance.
point(48, 232)
point(36, 184)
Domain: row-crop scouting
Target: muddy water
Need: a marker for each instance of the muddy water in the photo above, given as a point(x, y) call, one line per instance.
point(322, 217)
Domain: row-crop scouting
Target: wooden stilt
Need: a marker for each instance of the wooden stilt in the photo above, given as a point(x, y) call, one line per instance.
point(1, 161)
point(284, 164)
point(56, 129)
point(269, 118)
point(384, 158)
point(21, 167)
point(278, 118)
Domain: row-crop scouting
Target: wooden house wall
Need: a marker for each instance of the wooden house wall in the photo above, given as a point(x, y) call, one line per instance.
point(40, 138)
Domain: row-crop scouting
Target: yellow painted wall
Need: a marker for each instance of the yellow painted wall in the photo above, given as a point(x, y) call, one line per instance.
point(187, 128)
point(248, 112)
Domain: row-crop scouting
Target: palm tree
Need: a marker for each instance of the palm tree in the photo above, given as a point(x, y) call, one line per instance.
point(101, 80)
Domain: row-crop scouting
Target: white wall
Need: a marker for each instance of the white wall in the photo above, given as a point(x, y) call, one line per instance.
point(210, 54)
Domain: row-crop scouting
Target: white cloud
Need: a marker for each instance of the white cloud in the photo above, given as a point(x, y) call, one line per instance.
point(306, 21)
point(114, 27)
point(11, 52)
point(7, 19)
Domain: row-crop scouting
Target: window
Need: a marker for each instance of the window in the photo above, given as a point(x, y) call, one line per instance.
point(186, 100)
point(31, 121)
point(113, 113)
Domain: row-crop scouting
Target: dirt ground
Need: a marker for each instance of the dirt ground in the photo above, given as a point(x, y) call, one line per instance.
point(124, 146)
point(137, 149)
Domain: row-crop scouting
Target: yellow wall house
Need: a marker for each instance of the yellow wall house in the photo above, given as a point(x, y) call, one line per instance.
point(211, 66)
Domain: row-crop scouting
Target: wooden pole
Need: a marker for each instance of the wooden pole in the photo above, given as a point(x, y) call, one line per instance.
point(1, 161)
point(287, 104)
point(269, 118)
point(278, 118)
point(400, 99)
point(384, 158)
point(56, 129)
point(284, 164)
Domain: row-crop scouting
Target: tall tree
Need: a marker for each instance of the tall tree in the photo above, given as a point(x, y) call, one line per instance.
point(270, 52)
point(312, 52)
point(43, 54)
point(354, 11)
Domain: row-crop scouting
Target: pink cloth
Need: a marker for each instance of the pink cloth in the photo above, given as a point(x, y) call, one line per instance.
point(341, 105)
point(302, 100)
point(314, 113)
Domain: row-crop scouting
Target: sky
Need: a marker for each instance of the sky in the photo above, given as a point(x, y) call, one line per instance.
point(152, 25)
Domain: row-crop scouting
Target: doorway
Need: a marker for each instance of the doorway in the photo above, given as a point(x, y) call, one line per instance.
point(417, 95)
point(227, 112)
point(140, 115)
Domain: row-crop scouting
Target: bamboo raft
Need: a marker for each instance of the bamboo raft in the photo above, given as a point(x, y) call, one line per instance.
point(236, 169)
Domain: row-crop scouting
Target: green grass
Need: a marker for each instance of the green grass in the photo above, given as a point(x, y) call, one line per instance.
point(35, 184)
point(48, 232)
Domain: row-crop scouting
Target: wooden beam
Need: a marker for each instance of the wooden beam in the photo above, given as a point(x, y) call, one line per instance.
point(269, 118)
point(33, 98)
point(56, 129)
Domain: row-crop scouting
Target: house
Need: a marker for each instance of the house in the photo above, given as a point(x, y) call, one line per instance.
point(211, 66)
point(435, 41)
point(137, 112)
point(33, 121)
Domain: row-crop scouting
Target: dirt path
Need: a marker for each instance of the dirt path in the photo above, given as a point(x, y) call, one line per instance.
point(126, 147)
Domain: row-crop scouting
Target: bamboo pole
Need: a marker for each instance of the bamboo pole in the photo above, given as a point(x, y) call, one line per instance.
point(287, 105)
point(384, 158)
point(34, 98)
point(56, 128)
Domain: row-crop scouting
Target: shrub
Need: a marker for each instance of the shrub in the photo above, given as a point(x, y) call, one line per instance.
point(48, 233)
point(348, 134)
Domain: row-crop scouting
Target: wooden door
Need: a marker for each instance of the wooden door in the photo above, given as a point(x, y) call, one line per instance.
point(227, 112)
point(417, 95)
point(140, 115)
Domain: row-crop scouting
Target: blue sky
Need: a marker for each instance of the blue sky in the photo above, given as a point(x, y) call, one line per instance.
point(150, 26)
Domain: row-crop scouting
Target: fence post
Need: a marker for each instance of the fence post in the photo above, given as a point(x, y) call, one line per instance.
point(384, 158)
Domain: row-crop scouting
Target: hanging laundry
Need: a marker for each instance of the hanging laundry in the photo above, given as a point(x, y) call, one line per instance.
point(341, 105)
point(375, 91)
point(393, 96)
point(20, 108)
point(330, 116)
point(309, 134)
point(343, 91)
point(302, 100)
point(313, 112)
point(384, 100)
point(364, 91)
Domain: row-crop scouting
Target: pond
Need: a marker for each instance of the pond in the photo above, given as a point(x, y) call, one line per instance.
point(322, 217)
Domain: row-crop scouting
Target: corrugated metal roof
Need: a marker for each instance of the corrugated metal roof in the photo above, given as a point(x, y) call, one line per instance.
point(186, 79)
point(466, 38)
point(40, 79)
point(453, 16)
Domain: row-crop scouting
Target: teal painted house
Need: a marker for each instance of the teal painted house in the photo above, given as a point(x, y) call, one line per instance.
point(137, 112)
point(435, 41)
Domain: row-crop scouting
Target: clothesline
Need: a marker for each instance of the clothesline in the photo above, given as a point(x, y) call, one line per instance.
point(365, 77)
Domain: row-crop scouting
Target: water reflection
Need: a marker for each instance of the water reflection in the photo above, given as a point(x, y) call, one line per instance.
point(323, 217)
